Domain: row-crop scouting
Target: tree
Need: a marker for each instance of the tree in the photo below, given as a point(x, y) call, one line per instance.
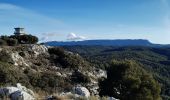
point(128, 81)
point(25, 39)
point(12, 42)
point(2, 42)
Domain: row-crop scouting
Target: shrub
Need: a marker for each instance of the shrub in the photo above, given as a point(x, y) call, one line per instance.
point(3, 42)
point(11, 75)
point(12, 42)
point(5, 57)
point(78, 77)
point(57, 51)
point(128, 81)
point(25, 39)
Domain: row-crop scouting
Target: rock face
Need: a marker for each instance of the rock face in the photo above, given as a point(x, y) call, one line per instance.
point(21, 56)
point(18, 60)
point(33, 59)
point(17, 93)
point(82, 91)
point(38, 49)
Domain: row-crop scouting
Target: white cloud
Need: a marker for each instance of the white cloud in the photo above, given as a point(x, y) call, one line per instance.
point(48, 35)
point(74, 37)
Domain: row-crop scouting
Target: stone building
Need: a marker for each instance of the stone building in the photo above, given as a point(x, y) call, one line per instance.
point(19, 31)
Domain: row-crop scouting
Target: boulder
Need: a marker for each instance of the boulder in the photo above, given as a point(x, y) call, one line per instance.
point(38, 49)
point(112, 98)
point(100, 73)
point(17, 93)
point(21, 95)
point(82, 91)
point(18, 60)
point(23, 88)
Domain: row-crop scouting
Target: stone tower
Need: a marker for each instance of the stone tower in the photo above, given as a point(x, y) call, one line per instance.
point(19, 31)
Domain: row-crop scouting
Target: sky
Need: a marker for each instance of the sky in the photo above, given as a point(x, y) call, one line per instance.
point(69, 20)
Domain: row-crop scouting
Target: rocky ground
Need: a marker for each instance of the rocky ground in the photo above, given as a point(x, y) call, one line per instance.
point(48, 69)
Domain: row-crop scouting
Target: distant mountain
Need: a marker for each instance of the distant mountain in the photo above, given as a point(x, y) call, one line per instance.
point(123, 42)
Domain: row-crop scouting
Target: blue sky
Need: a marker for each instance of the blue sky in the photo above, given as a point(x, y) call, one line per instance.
point(63, 20)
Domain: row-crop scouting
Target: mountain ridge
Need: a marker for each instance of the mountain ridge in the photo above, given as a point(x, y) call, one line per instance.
point(105, 42)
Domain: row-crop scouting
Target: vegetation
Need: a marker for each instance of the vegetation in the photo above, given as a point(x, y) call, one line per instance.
point(78, 77)
point(155, 60)
point(41, 74)
point(14, 40)
point(67, 59)
point(128, 81)
point(25, 39)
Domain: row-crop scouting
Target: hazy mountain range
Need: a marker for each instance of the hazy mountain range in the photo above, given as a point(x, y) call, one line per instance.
point(118, 42)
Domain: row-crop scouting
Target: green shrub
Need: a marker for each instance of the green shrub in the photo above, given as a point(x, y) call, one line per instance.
point(78, 77)
point(25, 39)
point(5, 57)
point(57, 51)
point(3, 42)
point(10, 75)
point(128, 81)
point(12, 42)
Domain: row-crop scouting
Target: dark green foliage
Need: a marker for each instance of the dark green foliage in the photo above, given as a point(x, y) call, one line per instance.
point(3, 42)
point(10, 75)
point(12, 42)
point(18, 39)
point(67, 59)
point(4, 37)
point(48, 81)
point(56, 51)
point(155, 60)
point(127, 81)
point(78, 77)
point(5, 57)
point(25, 39)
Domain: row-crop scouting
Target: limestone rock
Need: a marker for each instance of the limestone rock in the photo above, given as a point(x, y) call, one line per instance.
point(38, 49)
point(17, 93)
point(82, 91)
point(17, 59)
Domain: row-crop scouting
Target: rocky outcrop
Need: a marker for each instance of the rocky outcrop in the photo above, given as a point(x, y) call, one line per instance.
point(16, 93)
point(38, 49)
point(18, 60)
point(31, 60)
point(82, 91)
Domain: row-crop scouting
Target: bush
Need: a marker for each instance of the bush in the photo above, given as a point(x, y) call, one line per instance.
point(11, 75)
point(57, 51)
point(25, 39)
point(12, 42)
point(5, 57)
point(78, 77)
point(3, 42)
point(128, 81)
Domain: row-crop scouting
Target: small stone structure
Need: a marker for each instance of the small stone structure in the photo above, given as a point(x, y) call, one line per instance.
point(19, 31)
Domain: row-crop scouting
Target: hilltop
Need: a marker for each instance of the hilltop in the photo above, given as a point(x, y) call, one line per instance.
point(50, 69)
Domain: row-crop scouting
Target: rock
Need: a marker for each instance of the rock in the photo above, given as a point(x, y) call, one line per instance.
point(94, 89)
point(65, 93)
point(9, 90)
point(23, 88)
point(58, 74)
point(101, 73)
point(38, 49)
point(112, 98)
point(82, 91)
point(17, 93)
point(18, 60)
point(21, 95)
